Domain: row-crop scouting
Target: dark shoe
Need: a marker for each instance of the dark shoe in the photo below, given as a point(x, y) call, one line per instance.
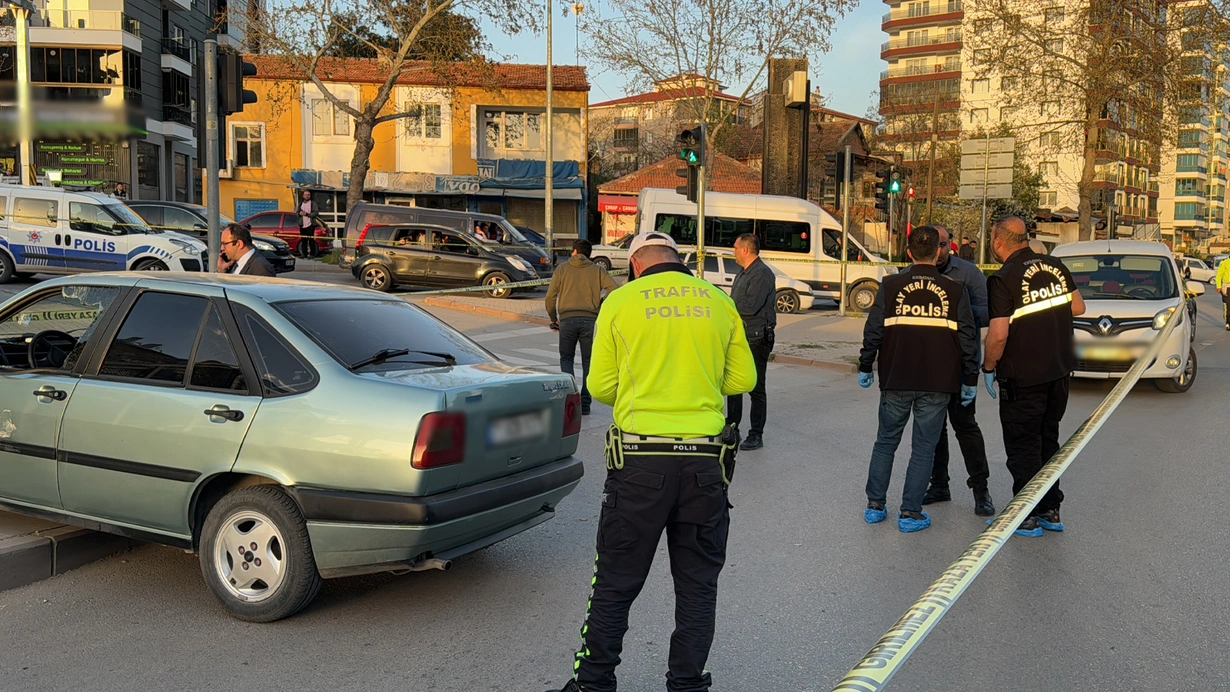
point(753, 441)
point(1050, 520)
point(1029, 528)
point(983, 506)
point(585, 409)
point(572, 686)
point(935, 494)
point(909, 522)
point(875, 513)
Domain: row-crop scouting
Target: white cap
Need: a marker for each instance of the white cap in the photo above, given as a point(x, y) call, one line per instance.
point(651, 238)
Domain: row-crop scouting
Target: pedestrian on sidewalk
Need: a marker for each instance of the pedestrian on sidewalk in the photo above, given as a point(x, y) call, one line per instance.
point(307, 227)
point(1030, 358)
point(1223, 287)
point(669, 348)
point(573, 299)
point(754, 292)
point(922, 329)
point(962, 416)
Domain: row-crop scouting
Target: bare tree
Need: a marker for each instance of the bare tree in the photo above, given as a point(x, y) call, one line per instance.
point(653, 42)
point(1093, 78)
point(402, 35)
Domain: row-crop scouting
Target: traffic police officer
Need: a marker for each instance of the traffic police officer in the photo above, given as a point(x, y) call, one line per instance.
point(668, 349)
point(1030, 355)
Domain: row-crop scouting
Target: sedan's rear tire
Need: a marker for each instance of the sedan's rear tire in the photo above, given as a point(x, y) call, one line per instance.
point(603, 262)
point(7, 268)
point(376, 277)
point(787, 301)
point(1184, 380)
point(497, 280)
point(273, 580)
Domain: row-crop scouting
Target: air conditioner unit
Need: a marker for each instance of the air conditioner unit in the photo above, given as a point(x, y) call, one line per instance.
point(795, 88)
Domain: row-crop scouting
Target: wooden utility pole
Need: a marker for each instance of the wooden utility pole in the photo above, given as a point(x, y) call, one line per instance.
point(935, 136)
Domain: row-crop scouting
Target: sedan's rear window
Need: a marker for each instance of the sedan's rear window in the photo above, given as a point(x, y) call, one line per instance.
point(355, 330)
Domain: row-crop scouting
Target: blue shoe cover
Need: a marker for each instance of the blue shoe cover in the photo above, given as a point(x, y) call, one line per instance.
point(1027, 533)
point(1050, 526)
point(875, 516)
point(912, 525)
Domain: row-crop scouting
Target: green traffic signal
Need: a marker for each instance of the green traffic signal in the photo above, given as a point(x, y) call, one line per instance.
point(690, 156)
point(894, 187)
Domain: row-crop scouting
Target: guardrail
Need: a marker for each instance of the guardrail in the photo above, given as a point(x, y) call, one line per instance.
point(881, 663)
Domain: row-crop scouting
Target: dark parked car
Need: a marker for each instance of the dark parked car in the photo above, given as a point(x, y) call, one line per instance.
point(434, 256)
point(285, 225)
point(510, 240)
point(190, 219)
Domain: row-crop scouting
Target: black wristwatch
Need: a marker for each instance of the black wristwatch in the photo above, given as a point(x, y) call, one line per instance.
point(988, 372)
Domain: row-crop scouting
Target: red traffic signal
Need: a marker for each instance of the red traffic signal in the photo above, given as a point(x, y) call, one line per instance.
point(910, 192)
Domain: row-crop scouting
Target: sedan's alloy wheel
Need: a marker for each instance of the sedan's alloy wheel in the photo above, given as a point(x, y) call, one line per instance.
point(250, 556)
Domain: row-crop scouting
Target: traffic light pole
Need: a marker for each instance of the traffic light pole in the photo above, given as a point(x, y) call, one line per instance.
point(211, 151)
point(892, 199)
point(700, 219)
point(845, 229)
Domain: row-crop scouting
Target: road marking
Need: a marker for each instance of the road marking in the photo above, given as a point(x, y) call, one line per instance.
point(492, 336)
point(544, 353)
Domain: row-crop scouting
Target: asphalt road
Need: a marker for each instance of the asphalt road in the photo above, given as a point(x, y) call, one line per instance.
point(1132, 597)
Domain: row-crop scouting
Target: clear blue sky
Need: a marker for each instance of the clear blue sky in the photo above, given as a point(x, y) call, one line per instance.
point(847, 75)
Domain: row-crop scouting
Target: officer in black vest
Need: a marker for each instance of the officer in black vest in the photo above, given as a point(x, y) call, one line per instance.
point(1030, 356)
point(923, 330)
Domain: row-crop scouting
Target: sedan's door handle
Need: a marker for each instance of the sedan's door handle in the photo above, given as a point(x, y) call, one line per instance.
point(223, 412)
point(435, 257)
point(51, 393)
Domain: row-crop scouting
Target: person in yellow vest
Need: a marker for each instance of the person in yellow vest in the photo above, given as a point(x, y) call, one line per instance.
point(1223, 287)
point(668, 349)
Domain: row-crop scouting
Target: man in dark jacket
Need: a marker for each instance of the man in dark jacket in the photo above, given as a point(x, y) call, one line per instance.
point(923, 331)
point(964, 422)
point(966, 252)
point(573, 299)
point(239, 257)
point(754, 291)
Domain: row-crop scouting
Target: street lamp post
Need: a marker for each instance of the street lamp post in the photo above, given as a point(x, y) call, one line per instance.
point(22, 9)
point(549, 191)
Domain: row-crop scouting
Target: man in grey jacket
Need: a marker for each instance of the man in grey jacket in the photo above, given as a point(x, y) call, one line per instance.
point(754, 291)
point(964, 423)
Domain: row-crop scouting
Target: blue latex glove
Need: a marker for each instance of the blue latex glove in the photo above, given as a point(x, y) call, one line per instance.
point(968, 392)
point(866, 379)
point(989, 379)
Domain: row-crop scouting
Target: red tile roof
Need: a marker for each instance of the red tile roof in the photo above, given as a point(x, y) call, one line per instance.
point(724, 175)
point(667, 95)
point(422, 73)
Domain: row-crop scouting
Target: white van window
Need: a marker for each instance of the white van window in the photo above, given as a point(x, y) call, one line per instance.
point(784, 236)
point(36, 212)
point(720, 231)
point(4, 204)
point(832, 247)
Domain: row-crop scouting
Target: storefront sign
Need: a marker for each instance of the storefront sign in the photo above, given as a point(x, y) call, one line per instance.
point(83, 159)
point(458, 185)
point(62, 147)
point(486, 169)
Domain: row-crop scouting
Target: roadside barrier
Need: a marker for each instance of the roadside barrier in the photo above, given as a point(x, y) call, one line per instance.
point(872, 673)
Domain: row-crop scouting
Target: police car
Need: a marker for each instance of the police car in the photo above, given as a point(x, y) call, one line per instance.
point(1131, 289)
point(47, 230)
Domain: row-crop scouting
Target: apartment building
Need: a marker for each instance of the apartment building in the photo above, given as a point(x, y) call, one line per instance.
point(118, 90)
point(473, 140)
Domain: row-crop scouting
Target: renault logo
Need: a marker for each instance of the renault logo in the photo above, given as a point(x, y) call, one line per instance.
point(1104, 325)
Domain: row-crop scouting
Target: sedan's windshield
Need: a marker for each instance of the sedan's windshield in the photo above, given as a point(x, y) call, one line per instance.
point(1122, 277)
point(354, 331)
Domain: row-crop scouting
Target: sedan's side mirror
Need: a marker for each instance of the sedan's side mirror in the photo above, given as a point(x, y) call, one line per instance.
point(1195, 288)
point(472, 251)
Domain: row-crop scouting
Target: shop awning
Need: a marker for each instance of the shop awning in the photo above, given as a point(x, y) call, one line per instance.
point(617, 204)
point(558, 193)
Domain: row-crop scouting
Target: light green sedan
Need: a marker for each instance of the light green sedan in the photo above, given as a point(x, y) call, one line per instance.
point(287, 432)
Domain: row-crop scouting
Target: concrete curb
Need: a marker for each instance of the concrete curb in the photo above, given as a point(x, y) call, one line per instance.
point(32, 557)
point(845, 368)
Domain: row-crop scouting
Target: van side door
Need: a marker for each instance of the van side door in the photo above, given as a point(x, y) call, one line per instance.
point(35, 235)
point(95, 240)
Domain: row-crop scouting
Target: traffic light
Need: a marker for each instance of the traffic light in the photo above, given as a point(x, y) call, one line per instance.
point(692, 173)
point(692, 152)
point(232, 69)
point(881, 190)
point(894, 185)
point(910, 193)
point(836, 167)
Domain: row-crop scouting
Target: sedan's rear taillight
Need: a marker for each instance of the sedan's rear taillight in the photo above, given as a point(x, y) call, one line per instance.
point(363, 236)
point(441, 440)
point(572, 415)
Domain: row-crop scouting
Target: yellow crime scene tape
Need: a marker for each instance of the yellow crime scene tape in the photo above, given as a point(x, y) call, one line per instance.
point(882, 662)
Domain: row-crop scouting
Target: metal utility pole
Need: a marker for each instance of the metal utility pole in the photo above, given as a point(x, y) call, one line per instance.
point(700, 211)
point(845, 228)
point(549, 209)
point(211, 151)
point(935, 136)
point(986, 167)
point(892, 199)
point(22, 9)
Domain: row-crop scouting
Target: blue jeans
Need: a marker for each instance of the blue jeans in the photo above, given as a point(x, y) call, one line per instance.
point(574, 331)
point(895, 407)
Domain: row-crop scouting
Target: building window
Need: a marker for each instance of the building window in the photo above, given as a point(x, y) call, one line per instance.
point(249, 141)
point(980, 86)
point(1048, 200)
point(1007, 114)
point(627, 138)
point(66, 65)
point(1049, 140)
point(978, 116)
point(132, 70)
point(952, 64)
point(513, 130)
point(917, 38)
point(424, 121)
point(181, 177)
point(982, 56)
point(1054, 45)
point(1049, 170)
point(1187, 186)
point(919, 9)
point(1008, 83)
point(1190, 138)
point(1050, 108)
point(329, 121)
point(1053, 15)
point(148, 170)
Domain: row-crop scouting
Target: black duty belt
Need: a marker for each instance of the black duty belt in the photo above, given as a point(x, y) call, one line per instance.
point(721, 448)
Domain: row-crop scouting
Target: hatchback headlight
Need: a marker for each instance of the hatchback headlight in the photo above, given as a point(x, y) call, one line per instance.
point(1161, 318)
point(263, 246)
point(186, 246)
point(519, 263)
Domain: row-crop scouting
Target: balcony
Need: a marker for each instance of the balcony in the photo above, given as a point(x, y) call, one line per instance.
point(933, 44)
point(939, 13)
point(918, 71)
point(177, 54)
point(106, 28)
point(625, 121)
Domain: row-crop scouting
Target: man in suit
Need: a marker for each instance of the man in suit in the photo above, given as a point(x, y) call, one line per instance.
point(239, 257)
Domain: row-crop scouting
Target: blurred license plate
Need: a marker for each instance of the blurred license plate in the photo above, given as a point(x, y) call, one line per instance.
point(1109, 352)
point(518, 428)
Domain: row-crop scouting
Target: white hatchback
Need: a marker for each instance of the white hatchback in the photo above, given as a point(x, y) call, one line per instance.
point(720, 270)
point(1131, 289)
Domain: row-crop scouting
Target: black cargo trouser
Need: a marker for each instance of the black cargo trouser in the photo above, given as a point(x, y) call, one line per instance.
point(686, 497)
point(760, 400)
point(969, 438)
point(1030, 419)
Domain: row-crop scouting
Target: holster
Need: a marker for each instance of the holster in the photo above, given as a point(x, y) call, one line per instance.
point(614, 450)
point(730, 448)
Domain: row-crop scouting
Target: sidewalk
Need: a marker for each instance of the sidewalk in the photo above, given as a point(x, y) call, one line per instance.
point(816, 338)
point(33, 549)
